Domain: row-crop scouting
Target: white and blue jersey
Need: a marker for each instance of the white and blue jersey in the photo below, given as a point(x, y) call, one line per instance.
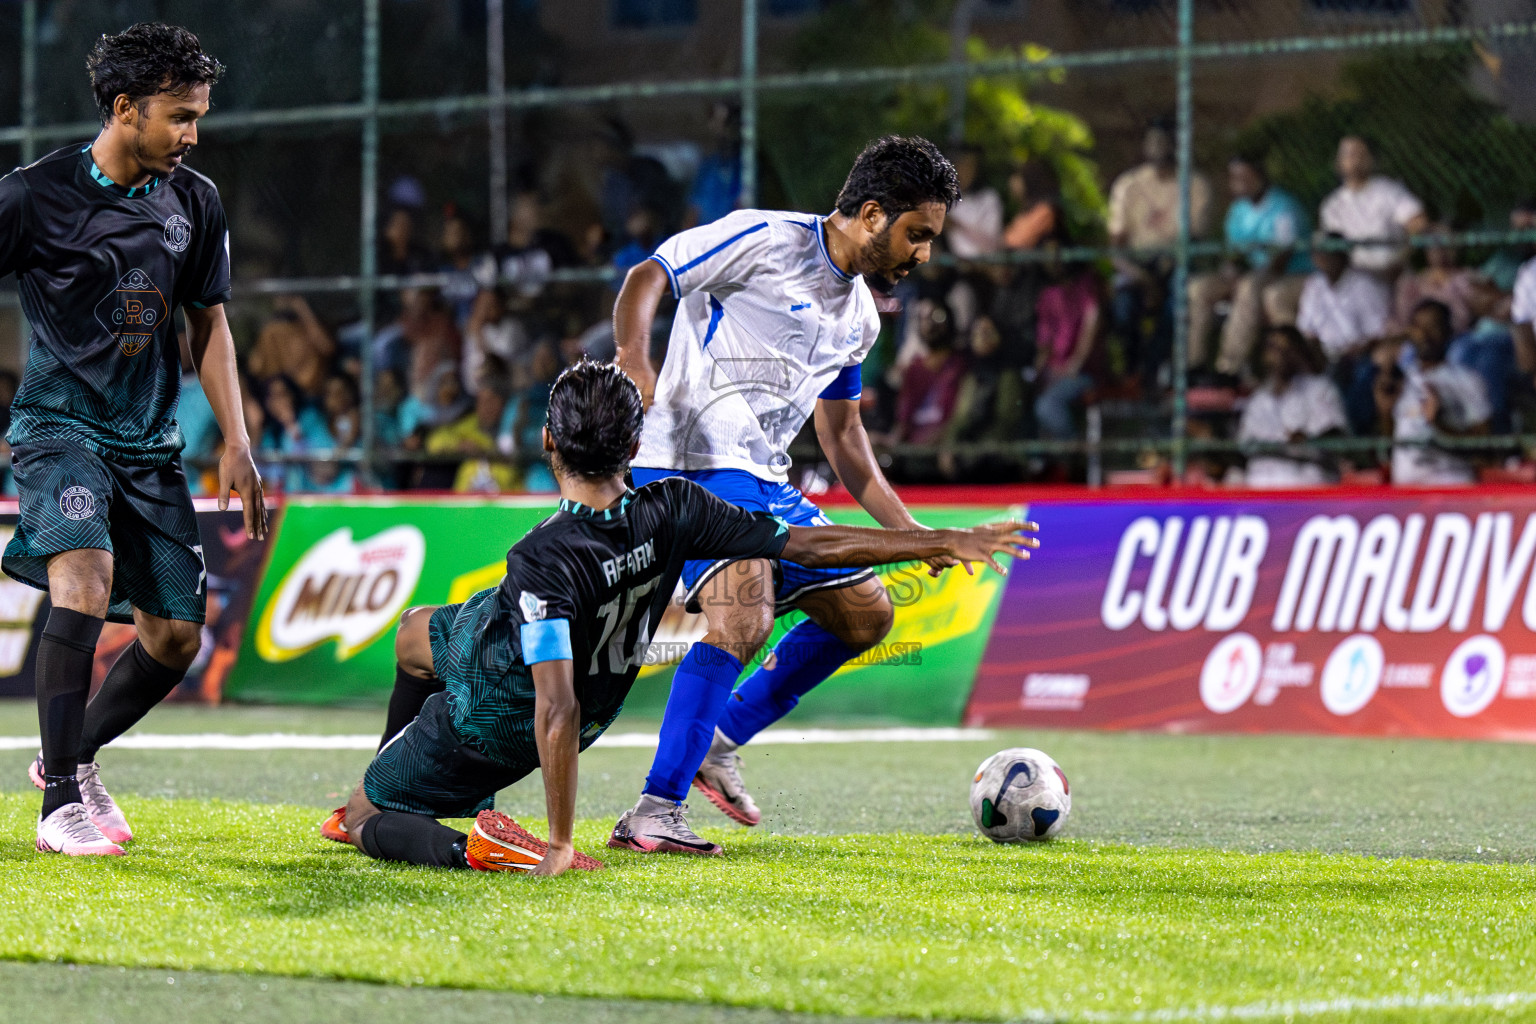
point(766, 325)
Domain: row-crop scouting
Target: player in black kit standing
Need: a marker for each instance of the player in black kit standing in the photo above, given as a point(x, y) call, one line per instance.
point(107, 240)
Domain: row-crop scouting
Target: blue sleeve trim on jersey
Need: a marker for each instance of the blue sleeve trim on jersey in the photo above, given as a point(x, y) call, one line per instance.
point(716, 313)
point(677, 292)
point(848, 384)
point(546, 640)
point(728, 242)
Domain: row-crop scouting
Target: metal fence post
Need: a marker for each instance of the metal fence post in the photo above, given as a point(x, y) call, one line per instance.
point(1180, 297)
point(368, 267)
point(748, 198)
point(28, 81)
point(496, 84)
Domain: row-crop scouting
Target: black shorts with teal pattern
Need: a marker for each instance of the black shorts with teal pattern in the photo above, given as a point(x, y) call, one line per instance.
point(72, 498)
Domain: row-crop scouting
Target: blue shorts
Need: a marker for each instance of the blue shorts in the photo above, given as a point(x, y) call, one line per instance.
point(791, 581)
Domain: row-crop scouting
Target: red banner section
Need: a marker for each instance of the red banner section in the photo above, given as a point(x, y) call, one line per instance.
point(1334, 612)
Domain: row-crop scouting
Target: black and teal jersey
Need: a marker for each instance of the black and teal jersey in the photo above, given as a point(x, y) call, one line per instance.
point(590, 586)
point(102, 269)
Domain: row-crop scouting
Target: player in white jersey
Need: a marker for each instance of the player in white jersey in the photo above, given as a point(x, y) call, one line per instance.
point(774, 318)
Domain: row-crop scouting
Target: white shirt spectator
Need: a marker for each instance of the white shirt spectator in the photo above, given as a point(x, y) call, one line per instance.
point(1309, 405)
point(1345, 314)
point(1382, 208)
point(1522, 309)
point(975, 224)
point(1464, 404)
point(1144, 207)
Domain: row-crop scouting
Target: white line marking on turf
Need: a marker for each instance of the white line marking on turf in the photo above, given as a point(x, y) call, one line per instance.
point(1310, 1008)
point(307, 741)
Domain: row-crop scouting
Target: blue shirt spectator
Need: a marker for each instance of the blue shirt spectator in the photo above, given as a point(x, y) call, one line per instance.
point(1275, 220)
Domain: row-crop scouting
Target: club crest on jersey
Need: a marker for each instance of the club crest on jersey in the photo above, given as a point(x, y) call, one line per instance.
point(132, 312)
point(534, 608)
point(77, 503)
point(178, 233)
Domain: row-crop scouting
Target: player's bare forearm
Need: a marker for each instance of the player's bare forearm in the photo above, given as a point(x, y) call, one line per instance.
point(633, 313)
point(213, 355)
point(846, 444)
point(557, 733)
point(828, 547)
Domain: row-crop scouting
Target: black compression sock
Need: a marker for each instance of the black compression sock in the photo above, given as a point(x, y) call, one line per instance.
point(413, 838)
point(64, 656)
point(405, 701)
point(136, 683)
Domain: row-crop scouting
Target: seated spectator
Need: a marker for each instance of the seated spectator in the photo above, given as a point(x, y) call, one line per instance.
point(396, 412)
point(1068, 320)
point(1295, 404)
point(426, 340)
point(492, 332)
point(1267, 227)
point(930, 383)
point(988, 407)
point(1144, 214)
point(400, 252)
point(1431, 398)
point(475, 434)
point(1370, 207)
point(448, 402)
point(342, 407)
point(1502, 267)
point(293, 344)
point(974, 226)
point(522, 427)
point(717, 183)
point(294, 427)
point(1522, 313)
point(458, 262)
point(642, 233)
point(529, 254)
point(1035, 192)
point(1440, 279)
point(1488, 349)
point(1341, 308)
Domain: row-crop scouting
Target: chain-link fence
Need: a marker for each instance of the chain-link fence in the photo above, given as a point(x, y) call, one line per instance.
point(425, 195)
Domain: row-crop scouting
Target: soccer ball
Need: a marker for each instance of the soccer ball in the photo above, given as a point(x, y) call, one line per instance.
point(1020, 794)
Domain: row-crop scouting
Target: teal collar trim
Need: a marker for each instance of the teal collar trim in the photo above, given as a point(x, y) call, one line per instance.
point(100, 177)
point(576, 508)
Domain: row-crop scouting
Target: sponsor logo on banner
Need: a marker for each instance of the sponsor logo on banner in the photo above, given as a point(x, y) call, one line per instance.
point(1352, 674)
point(1231, 673)
point(1055, 691)
point(1472, 676)
point(343, 590)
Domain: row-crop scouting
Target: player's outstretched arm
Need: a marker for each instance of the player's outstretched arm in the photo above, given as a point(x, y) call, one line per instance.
point(633, 313)
point(826, 547)
point(213, 354)
point(557, 732)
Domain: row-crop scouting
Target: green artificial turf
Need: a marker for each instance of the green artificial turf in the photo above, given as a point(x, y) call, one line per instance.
point(904, 925)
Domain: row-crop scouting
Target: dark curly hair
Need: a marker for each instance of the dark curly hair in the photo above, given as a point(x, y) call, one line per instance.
point(146, 59)
point(900, 174)
point(594, 418)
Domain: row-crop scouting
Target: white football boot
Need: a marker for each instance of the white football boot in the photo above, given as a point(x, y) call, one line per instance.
point(98, 802)
point(719, 779)
point(70, 831)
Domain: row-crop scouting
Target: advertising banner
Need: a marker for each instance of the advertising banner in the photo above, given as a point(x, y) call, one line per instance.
point(1387, 613)
point(233, 566)
point(342, 570)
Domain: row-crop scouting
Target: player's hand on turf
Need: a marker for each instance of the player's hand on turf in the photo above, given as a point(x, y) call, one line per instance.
point(556, 861)
point(237, 473)
point(984, 543)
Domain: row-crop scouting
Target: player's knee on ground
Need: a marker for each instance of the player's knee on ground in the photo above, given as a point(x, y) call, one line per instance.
point(413, 642)
point(359, 810)
point(81, 581)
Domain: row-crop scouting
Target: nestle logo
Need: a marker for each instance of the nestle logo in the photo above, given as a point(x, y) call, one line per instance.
point(389, 554)
point(1055, 691)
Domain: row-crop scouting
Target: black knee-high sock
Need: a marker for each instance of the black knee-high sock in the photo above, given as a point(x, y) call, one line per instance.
point(405, 701)
point(413, 838)
point(64, 656)
point(136, 683)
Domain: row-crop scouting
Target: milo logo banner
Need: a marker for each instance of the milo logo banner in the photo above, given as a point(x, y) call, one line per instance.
point(1390, 613)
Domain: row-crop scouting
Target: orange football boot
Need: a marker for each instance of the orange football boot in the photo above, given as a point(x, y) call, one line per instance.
point(497, 843)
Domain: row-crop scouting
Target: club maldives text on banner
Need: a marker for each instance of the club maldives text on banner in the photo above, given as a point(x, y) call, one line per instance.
point(1386, 613)
point(342, 571)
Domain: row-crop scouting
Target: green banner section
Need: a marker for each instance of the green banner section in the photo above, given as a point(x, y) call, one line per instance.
point(342, 570)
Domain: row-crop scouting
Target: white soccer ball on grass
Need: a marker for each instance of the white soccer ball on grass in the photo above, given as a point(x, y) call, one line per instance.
point(1020, 795)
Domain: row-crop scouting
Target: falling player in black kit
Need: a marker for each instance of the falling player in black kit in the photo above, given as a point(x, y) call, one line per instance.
point(533, 670)
point(107, 239)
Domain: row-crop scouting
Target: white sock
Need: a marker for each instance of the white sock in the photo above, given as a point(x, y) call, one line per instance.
point(651, 804)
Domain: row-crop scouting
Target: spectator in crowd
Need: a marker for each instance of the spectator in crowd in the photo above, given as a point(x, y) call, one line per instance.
point(200, 436)
point(1502, 267)
point(642, 233)
point(492, 333)
point(717, 184)
point(447, 400)
point(458, 262)
point(1522, 313)
point(1267, 228)
point(929, 383)
point(474, 434)
point(1069, 322)
point(1343, 310)
point(1144, 214)
point(421, 340)
point(988, 407)
point(1488, 349)
point(530, 252)
point(1431, 398)
point(1440, 279)
point(1370, 207)
point(1035, 192)
point(396, 412)
point(399, 250)
point(294, 427)
point(293, 344)
point(341, 404)
point(1295, 404)
point(974, 226)
point(522, 427)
